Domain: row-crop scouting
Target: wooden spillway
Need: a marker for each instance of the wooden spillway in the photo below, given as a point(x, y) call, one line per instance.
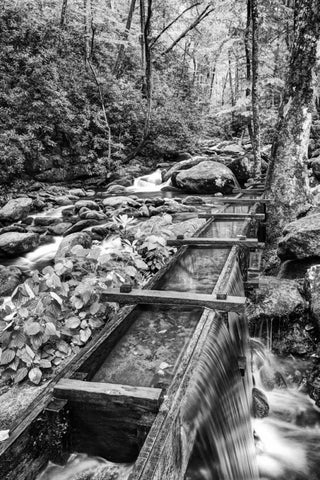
point(131, 422)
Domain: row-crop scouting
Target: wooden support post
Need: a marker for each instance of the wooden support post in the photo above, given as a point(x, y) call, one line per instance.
point(233, 216)
point(215, 242)
point(228, 304)
point(106, 394)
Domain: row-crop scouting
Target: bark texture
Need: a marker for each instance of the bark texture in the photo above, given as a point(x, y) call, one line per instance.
point(256, 142)
point(287, 179)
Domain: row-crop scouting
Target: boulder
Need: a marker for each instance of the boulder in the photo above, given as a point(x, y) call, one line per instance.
point(10, 278)
point(242, 168)
point(301, 238)
point(91, 214)
point(79, 226)
point(115, 189)
point(45, 221)
point(16, 209)
point(90, 204)
point(80, 238)
point(312, 288)
point(15, 243)
point(183, 165)
point(59, 229)
point(206, 177)
point(119, 201)
point(63, 200)
point(78, 192)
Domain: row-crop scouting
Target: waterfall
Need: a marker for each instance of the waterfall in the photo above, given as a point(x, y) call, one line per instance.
point(148, 183)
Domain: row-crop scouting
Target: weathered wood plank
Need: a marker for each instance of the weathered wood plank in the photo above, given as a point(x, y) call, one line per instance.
point(174, 298)
point(232, 216)
point(106, 394)
point(215, 242)
point(240, 201)
point(251, 191)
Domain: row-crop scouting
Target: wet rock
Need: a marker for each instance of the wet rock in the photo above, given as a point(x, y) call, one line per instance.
point(114, 189)
point(16, 209)
point(301, 238)
point(45, 221)
point(10, 278)
point(119, 201)
point(79, 226)
point(101, 230)
point(15, 243)
point(60, 228)
point(13, 228)
point(90, 204)
point(206, 177)
point(260, 404)
point(63, 200)
point(79, 192)
point(92, 215)
point(80, 238)
point(193, 200)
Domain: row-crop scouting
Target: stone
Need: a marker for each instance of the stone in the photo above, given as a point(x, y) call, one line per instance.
point(79, 226)
point(301, 238)
point(120, 200)
point(10, 278)
point(315, 165)
point(116, 189)
point(231, 149)
point(91, 215)
point(60, 228)
point(183, 165)
point(260, 405)
point(63, 200)
point(79, 238)
point(78, 192)
point(16, 209)
point(15, 243)
point(186, 228)
point(90, 204)
point(193, 200)
point(45, 221)
point(206, 177)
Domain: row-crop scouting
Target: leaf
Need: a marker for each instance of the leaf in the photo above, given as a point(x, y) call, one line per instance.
point(141, 264)
point(78, 303)
point(29, 290)
point(51, 330)
point(20, 375)
point(33, 328)
point(94, 308)
point(24, 312)
point(45, 364)
point(95, 323)
point(63, 347)
point(53, 281)
point(4, 435)
point(7, 356)
point(35, 375)
point(56, 297)
point(72, 322)
point(85, 335)
point(30, 352)
point(131, 271)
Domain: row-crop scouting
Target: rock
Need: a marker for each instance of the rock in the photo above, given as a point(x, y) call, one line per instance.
point(63, 200)
point(78, 192)
point(276, 298)
point(60, 228)
point(119, 201)
point(177, 156)
point(16, 209)
point(260, 404)
point(231, 149)
point(186, 228)
point(15, 243)
point(79, 226)
point(242, 168)
point(101, 230)
point(301, 238)
point(193, 200)
point(80, 238)
point(183, 165)
point(206, 177)
point(115, 189)
point(13, 228)
point(91, 215)
point(10, 278)
point(90, 204)
point(45, 221)
point(312, 288)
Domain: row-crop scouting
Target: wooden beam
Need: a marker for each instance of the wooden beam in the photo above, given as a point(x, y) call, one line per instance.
point(240, 201)
point(244, 191)
point(215, 242)
point(108, 394)
point(233, 216)
point(165, 297)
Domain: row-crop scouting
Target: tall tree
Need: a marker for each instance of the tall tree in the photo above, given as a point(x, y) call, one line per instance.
point(287, 179)
point(63, 12)
point(117, 66)
point(255, 89)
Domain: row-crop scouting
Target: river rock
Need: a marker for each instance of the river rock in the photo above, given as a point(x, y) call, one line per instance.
point(64, 200)
point(16, 209)
point(78, 192)
point(260, 405)
point(242, 168)
point(45, 221)
point(10, 278)
point(15, 243)
point(90, 204)
point(121, 200)
point(91, 215)
point(79, 238)
point(79, 226)
point(301, 238)
point(60, 228)
point(312, 288)
point(206, 177)
point(193, 200)
point(183, 165)
point(115, 189)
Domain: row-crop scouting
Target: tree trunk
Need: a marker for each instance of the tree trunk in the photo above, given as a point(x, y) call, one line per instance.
point(142, 34)
point(248, 64)
point(87, 28)
point(287, 179)
point(119, 60)
point(63, 13)
point(256, 145)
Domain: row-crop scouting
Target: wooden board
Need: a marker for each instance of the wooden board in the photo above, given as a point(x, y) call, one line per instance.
point(251, 191)
point(239, 201)
point(104, 394)
point(174, 298)
point(232, 216)
point(215, 242)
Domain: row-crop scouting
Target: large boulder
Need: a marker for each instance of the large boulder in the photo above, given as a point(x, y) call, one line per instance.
point(206, 177)
point(301, 238)
point(15, 243)
point(183, 165)
point(16, 209)
point(79, 226)
point(79, 238)
point(10, 278)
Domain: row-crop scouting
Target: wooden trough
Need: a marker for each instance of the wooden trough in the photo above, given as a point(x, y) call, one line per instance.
point(73, 413)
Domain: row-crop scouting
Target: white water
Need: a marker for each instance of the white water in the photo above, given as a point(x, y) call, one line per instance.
point(149, 183)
